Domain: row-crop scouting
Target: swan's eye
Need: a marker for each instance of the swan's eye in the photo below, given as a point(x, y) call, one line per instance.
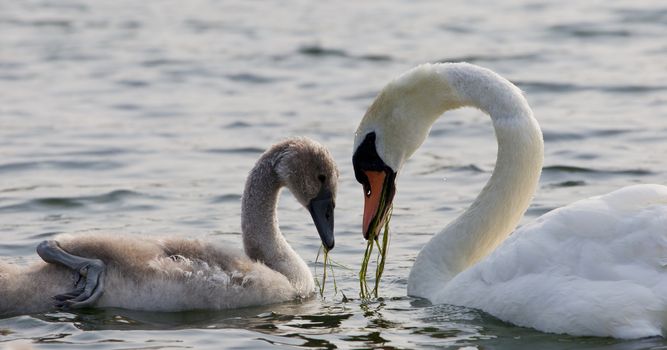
point(322, 178)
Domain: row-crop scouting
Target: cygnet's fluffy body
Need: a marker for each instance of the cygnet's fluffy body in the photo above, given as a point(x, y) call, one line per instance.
point(171, 274)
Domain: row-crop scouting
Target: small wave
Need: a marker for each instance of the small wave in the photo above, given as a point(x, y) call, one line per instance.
point(116, 196)
point(319, 51)
point(13, 65)
point(44, 235)
point(561, 136)
point(491, 58)
point(570, 183)
point(40, 23)
point(582, 170)
point(15, 76)
point(585, 156)
point(126, 106)
point(237, 125)
point(610, 132)
point(200, 26)
point(58, 202)
point(251, 78)
point(362, 97)
point(470, 168)
point(19, 189)
point(564, 136)
point(540, 86)
point(316, 50)
point(164, 62)
point(375, 57)
point(643, 16)
point(330, 320)
point(132, 83)
point(444, 208)
point(111, 151)
point(71, 56)
point(588, 31)
point(226, 198)
point(458, 29)
point(450, 313)
point(130, 24)
point(623, 89)
point(54, 164)
point(239, 150)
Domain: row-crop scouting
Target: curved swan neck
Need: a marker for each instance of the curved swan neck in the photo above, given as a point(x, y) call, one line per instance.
point(262, 239)
point(506, 196)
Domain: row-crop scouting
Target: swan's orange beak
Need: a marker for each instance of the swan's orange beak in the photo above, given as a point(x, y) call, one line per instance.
point(378, 193)
point(378, 181)
point(372, 198)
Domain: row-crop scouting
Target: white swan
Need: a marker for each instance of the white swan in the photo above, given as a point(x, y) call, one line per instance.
point(596, 267)
point(178, 274)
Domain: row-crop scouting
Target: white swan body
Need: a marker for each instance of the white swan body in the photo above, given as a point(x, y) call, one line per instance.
point(596, 267)
point(173, 274)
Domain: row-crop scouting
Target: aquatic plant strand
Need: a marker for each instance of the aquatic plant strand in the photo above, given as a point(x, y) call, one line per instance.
point(327, 262)
point(382, 256)
point(382, 245)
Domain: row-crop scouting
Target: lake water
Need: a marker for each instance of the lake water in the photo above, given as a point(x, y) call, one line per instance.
point(144, 117)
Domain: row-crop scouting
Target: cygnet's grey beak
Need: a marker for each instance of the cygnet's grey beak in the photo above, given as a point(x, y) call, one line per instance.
point(321, 208)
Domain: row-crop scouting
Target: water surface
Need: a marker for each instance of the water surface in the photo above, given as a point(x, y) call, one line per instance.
point(145, 117)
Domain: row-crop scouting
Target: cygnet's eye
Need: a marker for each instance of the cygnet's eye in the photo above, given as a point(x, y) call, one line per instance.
point(322, 178)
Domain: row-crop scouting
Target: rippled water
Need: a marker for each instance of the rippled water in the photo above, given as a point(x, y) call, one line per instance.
point(144, 118)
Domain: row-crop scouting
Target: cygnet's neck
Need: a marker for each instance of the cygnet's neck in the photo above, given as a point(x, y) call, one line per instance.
point(506, 196)
point(262, 239)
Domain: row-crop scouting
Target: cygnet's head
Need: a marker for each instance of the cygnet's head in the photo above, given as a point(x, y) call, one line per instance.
point(308, 170)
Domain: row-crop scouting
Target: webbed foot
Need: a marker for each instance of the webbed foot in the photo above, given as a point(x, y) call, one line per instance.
point(89, 275)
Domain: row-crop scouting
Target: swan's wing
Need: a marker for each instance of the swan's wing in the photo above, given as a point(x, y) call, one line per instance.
point(597, 238)
point(597, 266)
point(184, 283)
point(227, 258)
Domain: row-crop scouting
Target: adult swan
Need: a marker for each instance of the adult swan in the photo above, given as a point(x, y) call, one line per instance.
point(595, 267)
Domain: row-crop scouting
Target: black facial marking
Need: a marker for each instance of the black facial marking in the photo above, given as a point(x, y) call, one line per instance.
point(366, 158)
